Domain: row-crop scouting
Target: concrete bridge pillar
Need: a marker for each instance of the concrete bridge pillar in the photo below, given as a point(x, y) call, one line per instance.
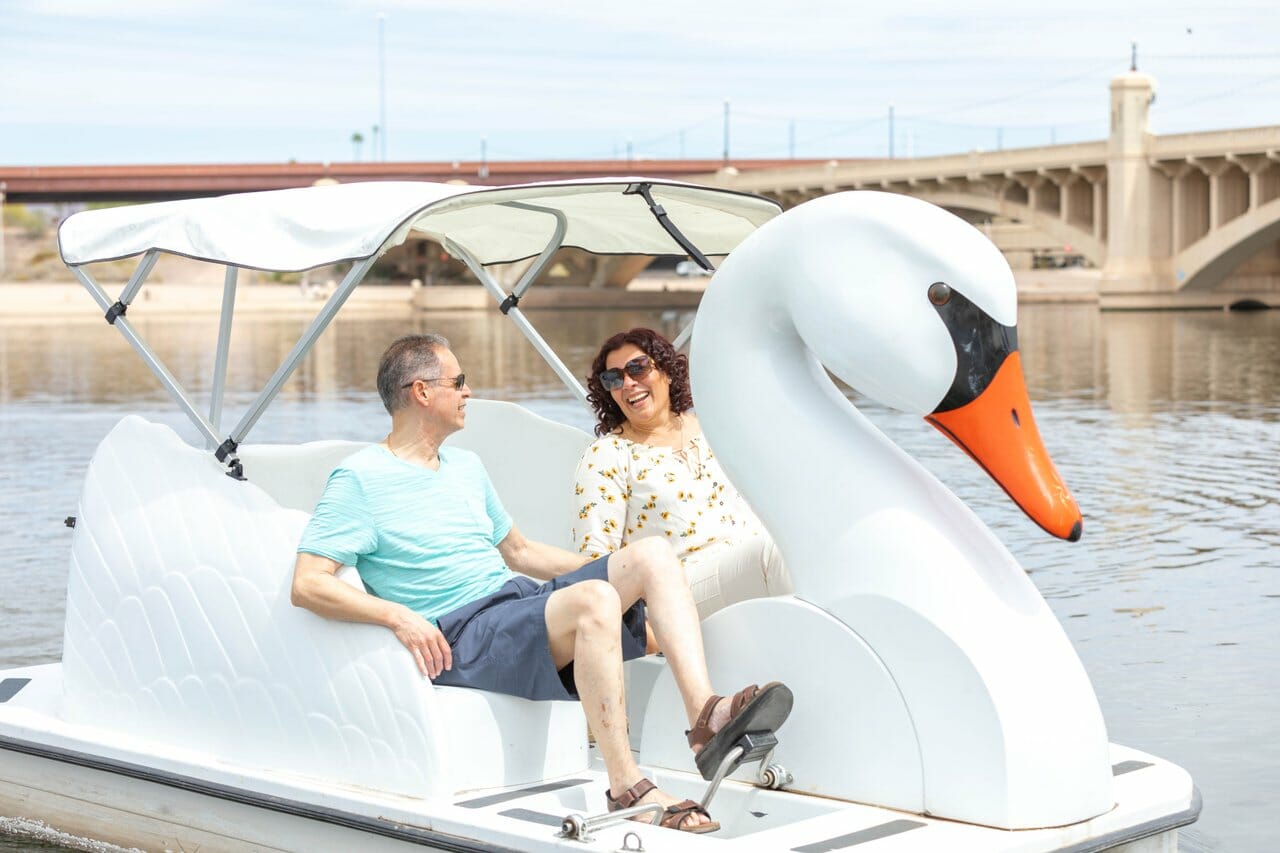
point(1130, 233)
point(1096, 179)
point(1179, 228)
point(1254, 166)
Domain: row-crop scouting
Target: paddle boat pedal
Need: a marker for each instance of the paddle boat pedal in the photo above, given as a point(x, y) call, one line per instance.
point(751, 747)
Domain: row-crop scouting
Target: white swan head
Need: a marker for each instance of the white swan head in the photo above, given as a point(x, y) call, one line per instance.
point(914, 307)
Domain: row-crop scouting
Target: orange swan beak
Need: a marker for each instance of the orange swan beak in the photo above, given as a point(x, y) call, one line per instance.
point(999, 432)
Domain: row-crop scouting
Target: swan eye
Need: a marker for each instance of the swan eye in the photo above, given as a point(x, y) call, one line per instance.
point(939, 293)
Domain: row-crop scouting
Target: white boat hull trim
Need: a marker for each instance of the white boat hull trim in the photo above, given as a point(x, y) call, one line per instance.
point(88, 795)
point(938, 702)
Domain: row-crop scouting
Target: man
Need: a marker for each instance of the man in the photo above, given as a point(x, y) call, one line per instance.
point(431, 540)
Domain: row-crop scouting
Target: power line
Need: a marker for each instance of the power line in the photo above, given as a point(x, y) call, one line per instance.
point(1016, 95)
point(1222, 94)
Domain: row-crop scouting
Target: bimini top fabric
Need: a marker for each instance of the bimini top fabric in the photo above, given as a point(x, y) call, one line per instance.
point(299, 229)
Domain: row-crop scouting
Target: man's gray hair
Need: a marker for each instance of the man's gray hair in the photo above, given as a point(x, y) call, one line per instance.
point(411, 357)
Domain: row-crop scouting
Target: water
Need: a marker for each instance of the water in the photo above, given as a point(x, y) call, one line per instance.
point(1166, 426)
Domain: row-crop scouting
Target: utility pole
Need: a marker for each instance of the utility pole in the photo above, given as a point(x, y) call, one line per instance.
point(726, 133)
point(484, 157)
point(1133, 56)
point(3, 267)
point(891, 131)
point(630, 153)
point(382, 83)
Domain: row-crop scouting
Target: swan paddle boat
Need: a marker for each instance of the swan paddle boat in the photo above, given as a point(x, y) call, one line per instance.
point(938, 703)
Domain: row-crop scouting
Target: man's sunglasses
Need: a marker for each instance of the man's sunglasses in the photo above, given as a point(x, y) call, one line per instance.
point(637, 367)
point(456, 381)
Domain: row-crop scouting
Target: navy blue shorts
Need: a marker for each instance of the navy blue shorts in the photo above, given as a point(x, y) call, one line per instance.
point(499, 642)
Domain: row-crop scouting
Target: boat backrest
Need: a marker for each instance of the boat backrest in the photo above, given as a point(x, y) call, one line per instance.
point(179, 620)
point(530, 460)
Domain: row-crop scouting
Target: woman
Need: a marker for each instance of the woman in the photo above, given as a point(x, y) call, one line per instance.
point(651, 473)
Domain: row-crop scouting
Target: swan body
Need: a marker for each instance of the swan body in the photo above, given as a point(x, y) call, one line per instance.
point(929, 673)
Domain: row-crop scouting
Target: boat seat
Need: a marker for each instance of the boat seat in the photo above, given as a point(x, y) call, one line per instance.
point(179, 621)
point(530, 460)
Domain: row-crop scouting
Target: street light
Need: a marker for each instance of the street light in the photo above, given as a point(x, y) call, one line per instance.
point(382, 83)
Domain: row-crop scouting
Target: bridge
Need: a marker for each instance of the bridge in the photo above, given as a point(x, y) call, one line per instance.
point(1186, 220)
point(33, 184)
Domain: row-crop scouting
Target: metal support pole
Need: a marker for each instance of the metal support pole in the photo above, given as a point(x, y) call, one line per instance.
point(684, 337)
point(557, 240)
point(301, 348)
point(224, 346)
point(139, 276)
point(171, 384)
point(726, 133)
point(548, 355)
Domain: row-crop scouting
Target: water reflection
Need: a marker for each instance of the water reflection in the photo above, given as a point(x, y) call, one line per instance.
point(1166, 426)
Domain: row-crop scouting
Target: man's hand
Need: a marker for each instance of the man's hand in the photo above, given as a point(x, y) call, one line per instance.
point(424, 641)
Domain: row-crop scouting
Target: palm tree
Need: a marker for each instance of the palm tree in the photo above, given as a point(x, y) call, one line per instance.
point(357, 140)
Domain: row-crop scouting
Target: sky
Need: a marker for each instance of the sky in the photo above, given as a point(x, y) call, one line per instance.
point(196, 81)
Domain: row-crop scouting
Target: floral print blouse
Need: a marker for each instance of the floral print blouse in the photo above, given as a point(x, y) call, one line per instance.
point(625, 491)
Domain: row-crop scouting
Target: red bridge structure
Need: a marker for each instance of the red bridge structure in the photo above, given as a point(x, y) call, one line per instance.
point(26, 184)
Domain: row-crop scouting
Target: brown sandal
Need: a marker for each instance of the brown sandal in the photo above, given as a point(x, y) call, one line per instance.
point(752, 709)
point(673, 817)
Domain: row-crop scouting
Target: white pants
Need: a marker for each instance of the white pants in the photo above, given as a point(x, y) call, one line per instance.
point(751, 569)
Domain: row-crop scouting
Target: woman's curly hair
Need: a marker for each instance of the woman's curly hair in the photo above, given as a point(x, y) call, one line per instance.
point(664, 356)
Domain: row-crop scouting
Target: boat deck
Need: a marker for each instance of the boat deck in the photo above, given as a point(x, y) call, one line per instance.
point(121, 790)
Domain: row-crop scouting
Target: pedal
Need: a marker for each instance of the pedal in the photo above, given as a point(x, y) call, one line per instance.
point(752, 746)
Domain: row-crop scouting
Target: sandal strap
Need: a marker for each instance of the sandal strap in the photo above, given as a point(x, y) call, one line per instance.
point(741, 699)
point(675, 815)
point(701, 731)
point(631, 796)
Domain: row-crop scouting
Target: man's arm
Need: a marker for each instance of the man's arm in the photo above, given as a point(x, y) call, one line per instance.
point(536, 559)
point(317, 588)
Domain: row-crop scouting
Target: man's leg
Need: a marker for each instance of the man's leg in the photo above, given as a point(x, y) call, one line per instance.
point(584, 625)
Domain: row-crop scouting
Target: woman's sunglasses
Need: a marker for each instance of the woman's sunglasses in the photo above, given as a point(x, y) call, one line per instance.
point(637, 367)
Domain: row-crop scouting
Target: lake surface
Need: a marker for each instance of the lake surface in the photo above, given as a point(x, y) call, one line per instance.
point(1166, 426)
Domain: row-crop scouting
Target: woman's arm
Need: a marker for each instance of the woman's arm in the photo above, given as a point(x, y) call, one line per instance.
point(600, 492)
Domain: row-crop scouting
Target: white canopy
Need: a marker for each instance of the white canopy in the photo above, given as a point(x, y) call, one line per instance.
point(298, 229)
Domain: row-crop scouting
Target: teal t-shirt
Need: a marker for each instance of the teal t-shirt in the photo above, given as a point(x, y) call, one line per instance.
point(420, 537)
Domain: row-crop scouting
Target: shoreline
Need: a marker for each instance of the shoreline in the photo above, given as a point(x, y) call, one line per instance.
point(69, 300)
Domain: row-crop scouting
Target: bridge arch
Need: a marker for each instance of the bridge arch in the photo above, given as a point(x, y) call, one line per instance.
point(1208, 261)
point(1080, 240)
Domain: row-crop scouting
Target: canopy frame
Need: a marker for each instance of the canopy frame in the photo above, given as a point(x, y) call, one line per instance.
point(225, 445)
